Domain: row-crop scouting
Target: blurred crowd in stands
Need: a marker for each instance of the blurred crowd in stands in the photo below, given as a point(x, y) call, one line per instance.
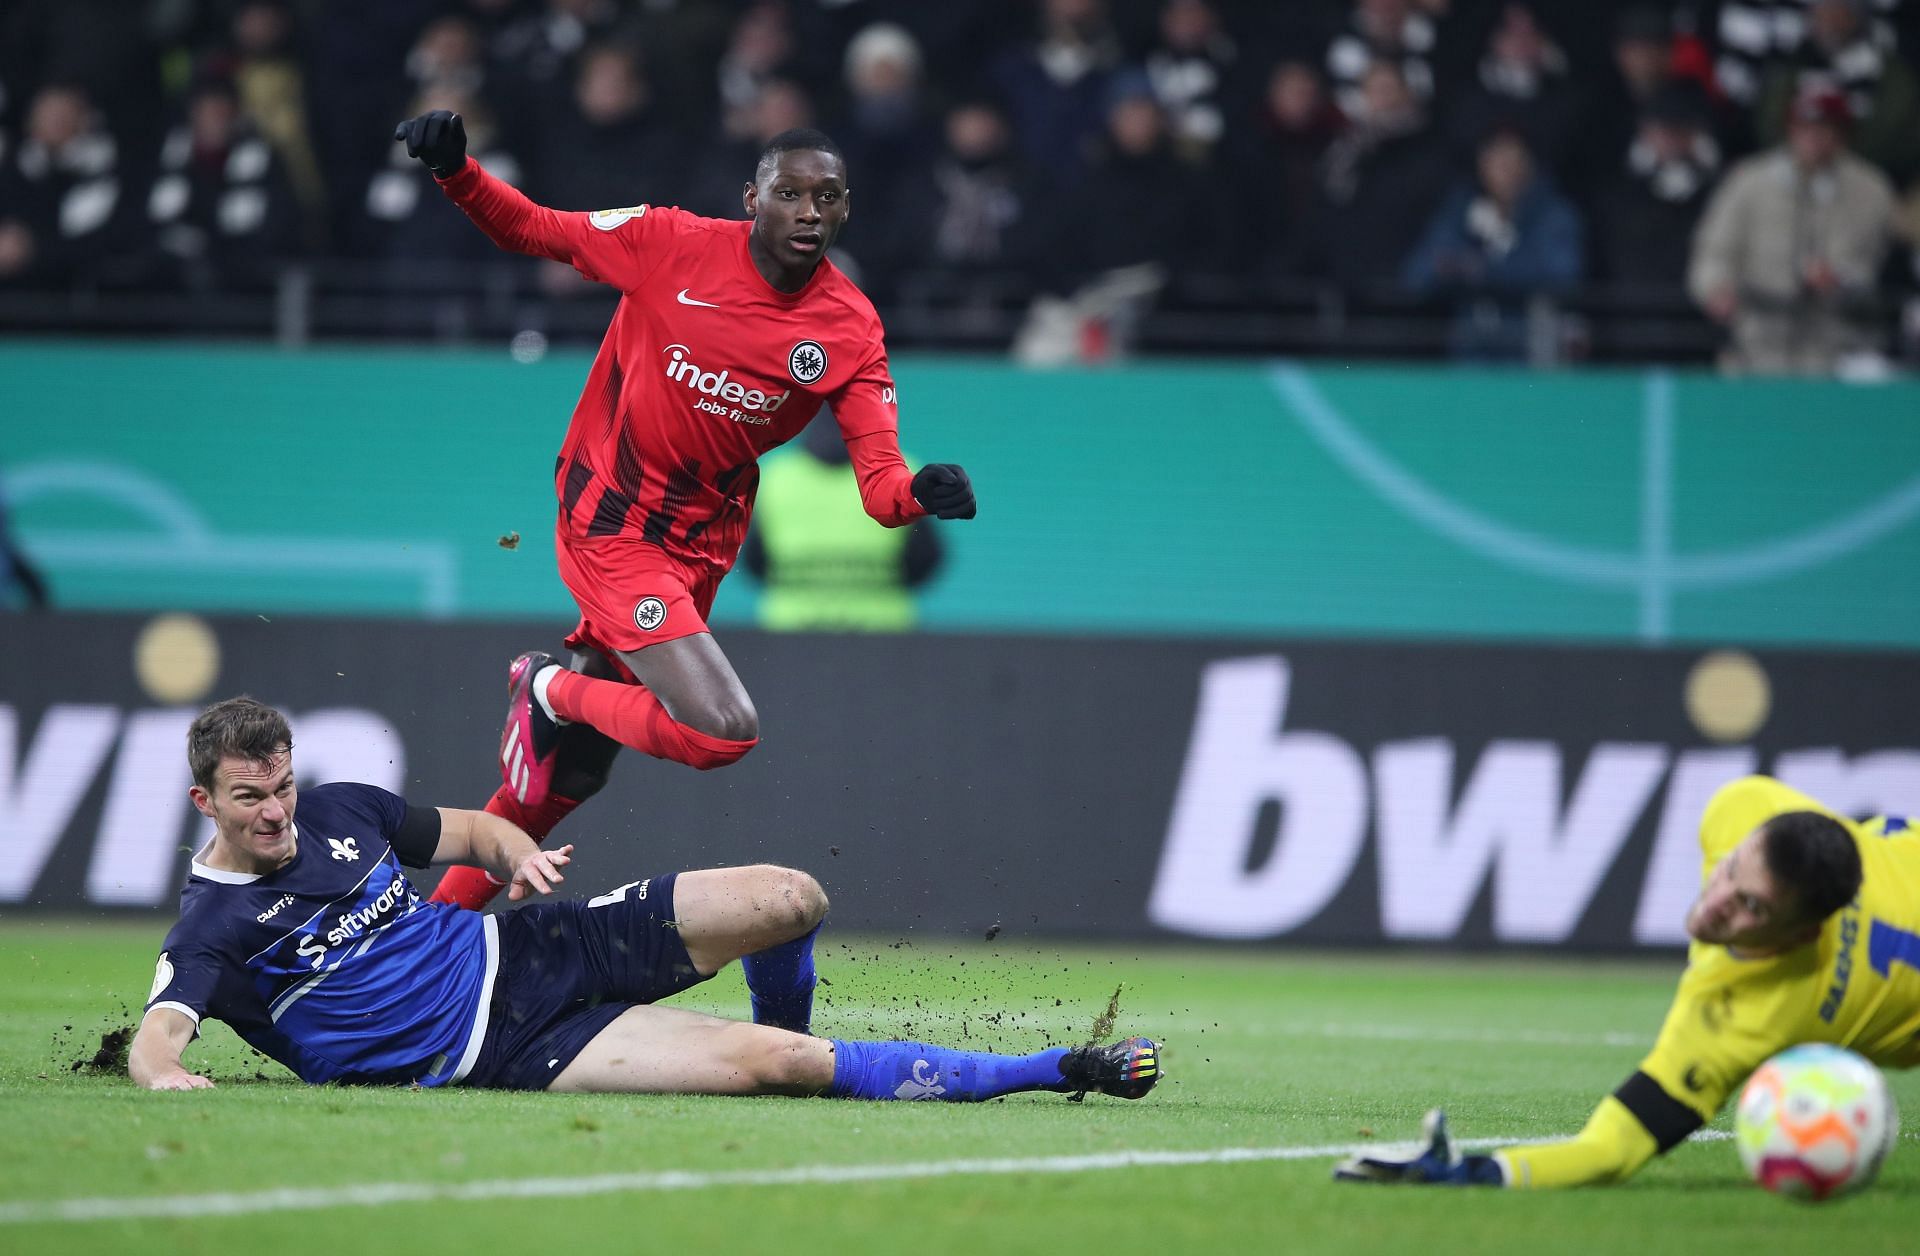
point(1757, 160)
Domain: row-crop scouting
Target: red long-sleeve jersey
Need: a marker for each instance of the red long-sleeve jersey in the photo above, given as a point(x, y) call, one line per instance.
point(705, 367)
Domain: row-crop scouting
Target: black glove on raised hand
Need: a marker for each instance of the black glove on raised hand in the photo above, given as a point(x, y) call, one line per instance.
point(438, 138)
point(944, 491)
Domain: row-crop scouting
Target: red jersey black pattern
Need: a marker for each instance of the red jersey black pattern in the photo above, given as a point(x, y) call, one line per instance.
point(705, 367)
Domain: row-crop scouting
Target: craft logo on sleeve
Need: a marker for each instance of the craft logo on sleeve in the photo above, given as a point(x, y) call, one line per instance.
point(807, 362)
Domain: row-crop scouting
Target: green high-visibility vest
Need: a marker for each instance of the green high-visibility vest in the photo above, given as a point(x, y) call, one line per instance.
point(830, 567)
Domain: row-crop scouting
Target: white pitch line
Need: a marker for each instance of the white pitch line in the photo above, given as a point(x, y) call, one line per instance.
point(376, 1194)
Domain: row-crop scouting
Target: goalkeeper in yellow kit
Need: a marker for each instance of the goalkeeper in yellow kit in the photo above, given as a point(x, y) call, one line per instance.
point(1807, 929)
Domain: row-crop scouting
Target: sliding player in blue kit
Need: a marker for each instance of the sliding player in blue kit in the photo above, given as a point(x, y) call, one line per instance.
point(310, 942)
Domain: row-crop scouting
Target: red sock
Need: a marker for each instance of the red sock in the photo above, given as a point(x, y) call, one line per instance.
point(473, 888)
point(632, 716)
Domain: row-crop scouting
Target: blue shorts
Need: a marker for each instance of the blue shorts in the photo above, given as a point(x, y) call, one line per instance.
point(567, 970)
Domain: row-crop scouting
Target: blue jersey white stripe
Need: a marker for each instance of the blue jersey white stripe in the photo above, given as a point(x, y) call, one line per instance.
point(490, 933)
point(333, 964)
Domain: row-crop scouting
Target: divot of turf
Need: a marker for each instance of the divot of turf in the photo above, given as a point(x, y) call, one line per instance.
point(1103, 1023)
point(111, 1058)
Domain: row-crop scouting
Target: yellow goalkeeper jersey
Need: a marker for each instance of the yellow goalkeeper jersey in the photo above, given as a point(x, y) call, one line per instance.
point(1857, 985)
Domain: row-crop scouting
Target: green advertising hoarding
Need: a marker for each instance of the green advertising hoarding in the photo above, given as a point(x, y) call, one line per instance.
point(1178, 498)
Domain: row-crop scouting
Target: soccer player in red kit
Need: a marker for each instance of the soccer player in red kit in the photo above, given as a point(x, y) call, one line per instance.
point(728, 338)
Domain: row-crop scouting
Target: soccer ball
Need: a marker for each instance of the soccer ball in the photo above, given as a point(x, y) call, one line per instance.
point(1814, 1122)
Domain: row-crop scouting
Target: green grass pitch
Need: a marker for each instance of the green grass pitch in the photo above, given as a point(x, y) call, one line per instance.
point(1268, 1050)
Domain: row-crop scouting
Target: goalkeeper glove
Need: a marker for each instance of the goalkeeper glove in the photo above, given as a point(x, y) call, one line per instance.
point(438, 138)
point(943, 490)
point(1438, 1165)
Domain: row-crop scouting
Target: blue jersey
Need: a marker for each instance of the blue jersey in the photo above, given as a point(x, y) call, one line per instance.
point(332, 964)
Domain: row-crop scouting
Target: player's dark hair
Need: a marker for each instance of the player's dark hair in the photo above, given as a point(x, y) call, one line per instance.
point(1815, 858)
point(238, 728)
point(801, 139)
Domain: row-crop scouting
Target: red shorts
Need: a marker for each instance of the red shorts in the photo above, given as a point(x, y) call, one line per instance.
point(633, 594)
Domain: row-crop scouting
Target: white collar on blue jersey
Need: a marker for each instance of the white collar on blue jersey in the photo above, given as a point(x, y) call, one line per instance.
point(221, 875)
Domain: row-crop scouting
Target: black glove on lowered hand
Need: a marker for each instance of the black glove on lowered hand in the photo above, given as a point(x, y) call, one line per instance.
point(438, 138)
point(1438, 1164)
point(944, 491)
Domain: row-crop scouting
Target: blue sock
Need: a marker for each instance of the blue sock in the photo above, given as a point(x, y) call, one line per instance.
point(914, 1070)
point(781, 980)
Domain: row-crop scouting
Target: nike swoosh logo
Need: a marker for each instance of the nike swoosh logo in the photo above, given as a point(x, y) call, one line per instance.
point(684, 299)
